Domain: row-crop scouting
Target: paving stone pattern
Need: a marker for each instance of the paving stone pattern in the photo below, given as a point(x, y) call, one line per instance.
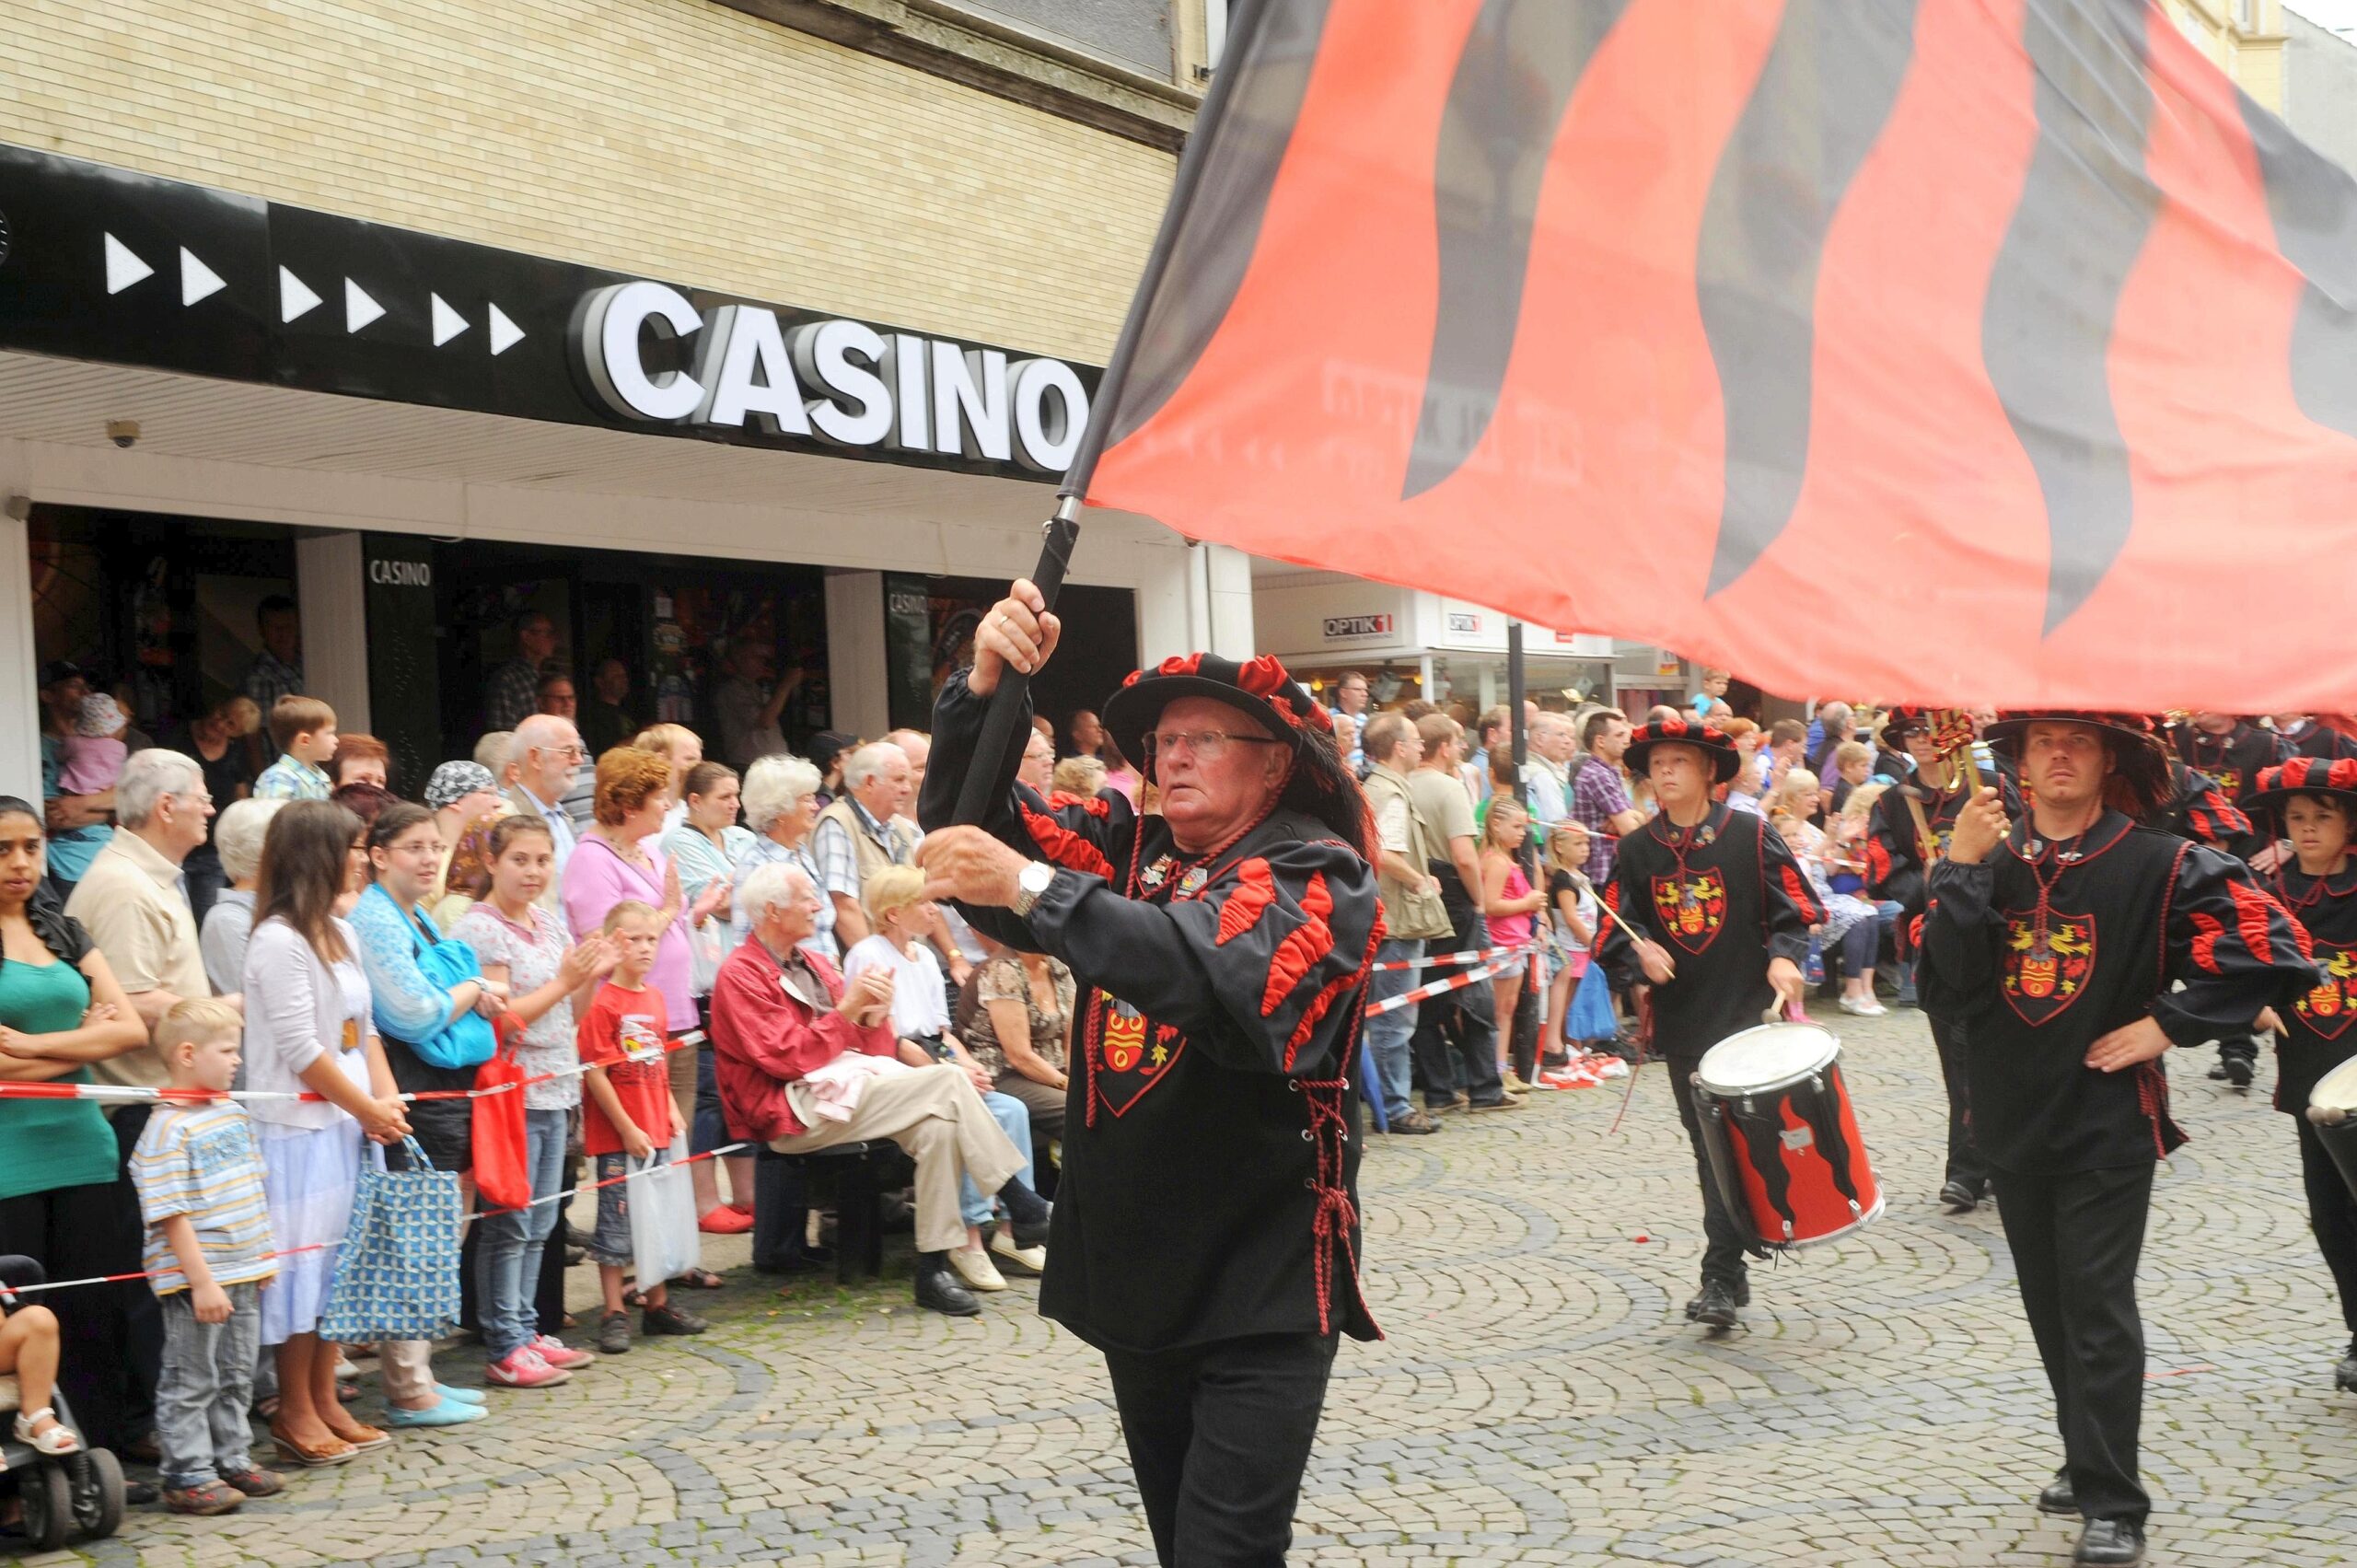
point(1539, 1399)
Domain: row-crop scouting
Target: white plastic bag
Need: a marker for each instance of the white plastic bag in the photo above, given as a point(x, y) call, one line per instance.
point(663, 1236)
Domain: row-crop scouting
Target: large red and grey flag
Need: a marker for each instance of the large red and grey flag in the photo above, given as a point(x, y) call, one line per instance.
point(1949, 350)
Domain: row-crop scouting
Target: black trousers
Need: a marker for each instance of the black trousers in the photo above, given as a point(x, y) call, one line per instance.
point(142, 1317)
point(2243, 1047)
point(1219, 1435)
point(2076, 1238)
point(1965, 1162)
point(1724, 1237)
point(2332, 1213)
point(75, 1233)
point(1455, 1042)
point(781, 1210)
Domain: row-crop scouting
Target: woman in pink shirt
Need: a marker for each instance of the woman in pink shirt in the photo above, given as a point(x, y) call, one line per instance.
point(614, 862)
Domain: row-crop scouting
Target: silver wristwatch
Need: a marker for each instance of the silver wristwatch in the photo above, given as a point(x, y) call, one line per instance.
point(1029, 883)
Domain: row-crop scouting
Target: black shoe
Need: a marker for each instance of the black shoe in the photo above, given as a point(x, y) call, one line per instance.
point(139, 1493)
point(668, 1318)
point(1959, 1198)
point(2238, 1073)
point(613, 1334)
point(807, 1260)
point(1716, 1305)
point(2110, 1540)
point(940, 1290)
point(1694, 1309)
point(2218, 1073)
point(2057, 1496)
point(1743, 1291)
point(2344, 1376)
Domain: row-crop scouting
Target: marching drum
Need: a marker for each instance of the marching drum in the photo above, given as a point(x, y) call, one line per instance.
point(1781, 1136)
point(2332, 1106)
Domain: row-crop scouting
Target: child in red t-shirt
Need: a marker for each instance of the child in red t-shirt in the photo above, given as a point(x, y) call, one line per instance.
point(626, 1115)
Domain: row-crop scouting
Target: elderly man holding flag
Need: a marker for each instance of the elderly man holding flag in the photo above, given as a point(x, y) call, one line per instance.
point(1206, 1228)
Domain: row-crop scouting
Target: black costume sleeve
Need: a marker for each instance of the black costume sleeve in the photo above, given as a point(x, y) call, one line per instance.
point(1791, 903)
point(1250, 971)
point(2235, 950)
point(1959, 936)
point(1889, 849)
point(1622, 923)
point(1090, 836)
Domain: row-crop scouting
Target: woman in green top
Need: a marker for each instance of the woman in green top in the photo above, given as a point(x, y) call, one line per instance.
point(60, 1203)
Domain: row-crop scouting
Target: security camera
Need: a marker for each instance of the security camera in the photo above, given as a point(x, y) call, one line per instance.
point(123, 432)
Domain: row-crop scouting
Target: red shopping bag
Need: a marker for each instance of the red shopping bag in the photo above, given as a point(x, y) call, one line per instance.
point(502, 1170)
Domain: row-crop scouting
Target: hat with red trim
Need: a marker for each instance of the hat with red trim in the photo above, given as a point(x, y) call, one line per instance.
point(1707, 738)
point(2140, 757)
point(2304, 775)
point(1260, 686)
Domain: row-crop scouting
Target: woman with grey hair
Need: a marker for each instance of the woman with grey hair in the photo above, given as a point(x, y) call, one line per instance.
point(780, 796)
point(237, 834)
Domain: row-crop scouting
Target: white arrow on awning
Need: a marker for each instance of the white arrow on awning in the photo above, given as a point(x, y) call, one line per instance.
point(123, 269)
point(358, 308)
point(448, 322)
point(197, 280)
point(295, 296)
point(505, 334)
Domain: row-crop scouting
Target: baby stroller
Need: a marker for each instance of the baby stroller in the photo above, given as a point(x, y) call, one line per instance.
point(62, 1496)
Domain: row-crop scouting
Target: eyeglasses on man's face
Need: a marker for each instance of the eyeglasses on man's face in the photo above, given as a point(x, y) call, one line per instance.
point(1205, 745)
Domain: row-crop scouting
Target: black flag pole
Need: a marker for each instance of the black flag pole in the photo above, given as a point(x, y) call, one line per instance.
point(1060, 533)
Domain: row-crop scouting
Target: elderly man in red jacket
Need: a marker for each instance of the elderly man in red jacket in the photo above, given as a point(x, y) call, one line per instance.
point(780, 1013)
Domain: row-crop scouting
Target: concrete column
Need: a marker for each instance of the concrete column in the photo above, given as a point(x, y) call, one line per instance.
point(857, 671)
point(19, 670)
point(1227, 580)
point(330, 593)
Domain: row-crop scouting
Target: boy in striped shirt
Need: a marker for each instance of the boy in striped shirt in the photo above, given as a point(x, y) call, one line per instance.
point(199, 1182)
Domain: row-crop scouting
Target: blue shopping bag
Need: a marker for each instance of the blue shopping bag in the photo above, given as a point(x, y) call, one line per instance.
point(1590, 1015)
point(397, 1274)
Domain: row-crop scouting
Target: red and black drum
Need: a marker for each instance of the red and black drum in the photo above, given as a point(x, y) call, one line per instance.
point(2332, 1107)
point(1782, 1138)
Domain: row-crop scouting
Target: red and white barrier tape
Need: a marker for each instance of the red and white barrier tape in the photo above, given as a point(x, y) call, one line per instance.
point(1438, 960)
point(128, 1094)
point(1436, 988)
point(468, 1220)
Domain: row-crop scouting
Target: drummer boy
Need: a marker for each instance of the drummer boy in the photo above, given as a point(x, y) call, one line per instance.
point(1715, 913)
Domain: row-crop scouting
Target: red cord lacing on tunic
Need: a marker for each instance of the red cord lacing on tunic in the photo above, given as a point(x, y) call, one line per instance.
point(1329, 1132)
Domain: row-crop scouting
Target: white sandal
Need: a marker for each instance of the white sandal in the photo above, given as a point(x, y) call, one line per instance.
point(56, 1443)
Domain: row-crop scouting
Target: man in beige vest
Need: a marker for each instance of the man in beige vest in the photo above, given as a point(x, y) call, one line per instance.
point(1412, 911)
point(864, 831)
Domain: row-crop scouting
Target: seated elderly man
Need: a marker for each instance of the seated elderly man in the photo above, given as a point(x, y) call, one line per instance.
point(806, 1062)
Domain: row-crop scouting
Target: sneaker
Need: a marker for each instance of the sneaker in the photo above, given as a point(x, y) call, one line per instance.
point(212, 1497)
point(524, 1369)
point(442, 1412)
point(725, 1221)
point(974, 1266)
point(1030, 1260)
point(562, 1356)
point(613, 1334)
point(669, 1319)
point(253, 1483)
point(1511, 1081)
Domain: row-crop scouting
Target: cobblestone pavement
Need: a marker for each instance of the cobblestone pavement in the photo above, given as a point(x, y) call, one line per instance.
point(1537, 1402)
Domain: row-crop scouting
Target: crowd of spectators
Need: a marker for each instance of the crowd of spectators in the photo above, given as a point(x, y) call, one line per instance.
point(685, 956)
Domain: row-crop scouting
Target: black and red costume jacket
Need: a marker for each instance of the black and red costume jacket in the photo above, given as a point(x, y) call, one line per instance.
point(2316, 1036)
point(2042, 949)
point(1210, 1182)
point(1724, 896)
point(2232, 762)
point(2314, 738)
point(2203, 812)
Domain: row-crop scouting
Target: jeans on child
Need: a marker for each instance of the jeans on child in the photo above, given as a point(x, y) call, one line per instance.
point(1014, 1121)
point(507, 1255)
point(207, 1385)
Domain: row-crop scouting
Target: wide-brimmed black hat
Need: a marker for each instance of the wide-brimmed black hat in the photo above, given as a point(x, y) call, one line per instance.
point(2304, 775)
point(1707, 738)
point(1260, 686)
point(2140, 757)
